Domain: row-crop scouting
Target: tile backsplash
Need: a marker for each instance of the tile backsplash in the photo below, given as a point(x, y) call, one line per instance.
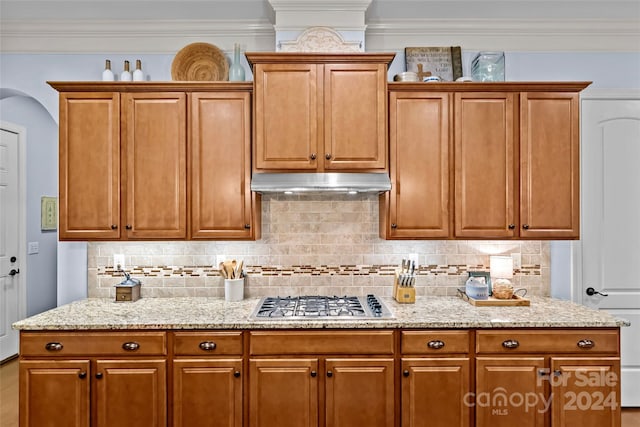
point(311, 244)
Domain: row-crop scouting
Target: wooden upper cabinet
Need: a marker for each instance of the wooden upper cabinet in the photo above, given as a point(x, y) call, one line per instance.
point(89, 165)
point(317, 112)
point(485, 168)
point(222, 204)
point(286, 112)
point(155, 141)
point(549, 165)
point(418, 204)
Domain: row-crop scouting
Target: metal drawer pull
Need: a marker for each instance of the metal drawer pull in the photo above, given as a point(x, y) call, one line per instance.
point(130, 346)
point(53, 346)
point(207, 345)
point(586, 344)
point(435, 344)
point(510, 344)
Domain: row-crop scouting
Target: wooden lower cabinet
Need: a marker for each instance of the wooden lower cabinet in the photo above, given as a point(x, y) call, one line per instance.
point(436, 392)
point(585, 392)
point(207, 393)
point(54, 393)
point(510, 391)
point(359, 392)
point(130, 393)
point(283, 392)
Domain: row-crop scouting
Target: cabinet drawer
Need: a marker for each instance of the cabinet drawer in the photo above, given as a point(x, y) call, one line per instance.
point(92, 343)
point(434, 342)
point(327, 342)
point(548, 341)
point(203, 343)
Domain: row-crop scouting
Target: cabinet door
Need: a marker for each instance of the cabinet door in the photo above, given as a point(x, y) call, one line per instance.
point(89, 166)
point(220, 166)
point(130, 393)
point(550, 165)
point(286, 116)
point(359, 392)
point(207, 393)
point(54, 394)
point(485, 191)
point(585, 391)
point(418, 203)
point(355, 116)
point(511, 392)
point(283, 392)
point(436, 392)
point(155, 158)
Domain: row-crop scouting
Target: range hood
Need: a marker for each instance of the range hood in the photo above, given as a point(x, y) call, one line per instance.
point(329, 182)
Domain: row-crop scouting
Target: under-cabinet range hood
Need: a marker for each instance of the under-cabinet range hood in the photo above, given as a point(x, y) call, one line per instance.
point(329, 182)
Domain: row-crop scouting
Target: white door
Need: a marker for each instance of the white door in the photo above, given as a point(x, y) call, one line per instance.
point(611, 223)
point(9, 256)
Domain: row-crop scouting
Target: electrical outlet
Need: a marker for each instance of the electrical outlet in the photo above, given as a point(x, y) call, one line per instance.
point(219, 259)
point(118, 261)
point(517, 261)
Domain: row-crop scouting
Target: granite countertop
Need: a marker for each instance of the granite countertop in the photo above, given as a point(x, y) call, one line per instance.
point(216, 313)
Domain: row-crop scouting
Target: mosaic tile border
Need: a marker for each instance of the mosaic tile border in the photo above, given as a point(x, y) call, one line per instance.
point(308, 270)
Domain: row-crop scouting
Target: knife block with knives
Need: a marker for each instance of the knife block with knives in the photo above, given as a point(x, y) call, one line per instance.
point(404, 290)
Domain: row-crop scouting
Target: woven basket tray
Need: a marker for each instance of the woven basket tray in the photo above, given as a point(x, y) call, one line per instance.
point(200, 62)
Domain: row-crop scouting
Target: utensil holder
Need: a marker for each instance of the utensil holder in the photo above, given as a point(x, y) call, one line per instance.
point(403, 294)
point(234, 289)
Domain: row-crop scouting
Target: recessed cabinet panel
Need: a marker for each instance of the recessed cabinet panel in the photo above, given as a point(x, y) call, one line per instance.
point(155, 156)
point(355, 116)
point(89, 166)
point(484, 165)
point(286, 105)
point(550, 165)
point(54, 393)
point(419, 166)
point(283, 392)
point(220, 166)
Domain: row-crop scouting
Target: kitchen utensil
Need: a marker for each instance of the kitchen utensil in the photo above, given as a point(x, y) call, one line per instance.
point(223, 272)
point(239, 272)
point(228, 268)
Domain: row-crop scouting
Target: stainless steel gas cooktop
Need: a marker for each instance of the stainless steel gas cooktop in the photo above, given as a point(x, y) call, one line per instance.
point(310, 307)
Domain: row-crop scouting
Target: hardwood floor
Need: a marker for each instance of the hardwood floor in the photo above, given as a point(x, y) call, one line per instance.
point(9, 399)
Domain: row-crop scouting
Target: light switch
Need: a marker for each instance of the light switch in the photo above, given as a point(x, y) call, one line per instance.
point(118, 261)
point(48, 213)
point(33, 248)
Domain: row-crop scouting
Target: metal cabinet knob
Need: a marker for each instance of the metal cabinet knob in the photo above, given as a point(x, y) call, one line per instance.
point(312, 156)
point(394, 225)
point(82, 375)
point(525, 226)
point(53, 346)
point(114, 226)
point(236, 374)
point(435, 344)
point(130, 346)
point(586, 344)
point(207, 345)
point(128, 227)
point(329, 374)
point(99, 375)
point(313, 374)
point(247, 226)
point(510, 344)
point(512, 226)
point(327, 156)
point(405, 372)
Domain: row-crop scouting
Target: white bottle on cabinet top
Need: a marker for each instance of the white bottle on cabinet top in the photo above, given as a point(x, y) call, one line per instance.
point(138, 75)
point(107, 74)
point(125, 76)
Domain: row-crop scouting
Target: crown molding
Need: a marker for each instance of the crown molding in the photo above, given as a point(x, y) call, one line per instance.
point(169, 36)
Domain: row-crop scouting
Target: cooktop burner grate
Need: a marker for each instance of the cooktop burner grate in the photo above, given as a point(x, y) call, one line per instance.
point(319, 306)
